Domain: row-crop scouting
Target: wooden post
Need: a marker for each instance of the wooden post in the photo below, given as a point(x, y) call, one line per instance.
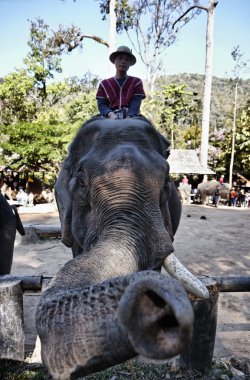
point(28, 283)
point(199, 353)
point(11, 320)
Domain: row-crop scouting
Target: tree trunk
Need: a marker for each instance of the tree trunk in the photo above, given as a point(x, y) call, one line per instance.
point(233, 136)
point(208, 83)
point(112, 33)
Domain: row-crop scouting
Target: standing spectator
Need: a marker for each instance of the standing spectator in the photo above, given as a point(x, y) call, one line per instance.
point(22, 197)
point(242, 199)
point(185, 179)
point(247, 200)
point(216, 196)
point(232, 197)
point(31, 199)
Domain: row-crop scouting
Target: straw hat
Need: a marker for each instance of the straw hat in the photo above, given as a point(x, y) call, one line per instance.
point(122, 50)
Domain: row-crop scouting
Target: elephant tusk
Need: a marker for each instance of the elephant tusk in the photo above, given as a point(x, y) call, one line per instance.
point(192, 284)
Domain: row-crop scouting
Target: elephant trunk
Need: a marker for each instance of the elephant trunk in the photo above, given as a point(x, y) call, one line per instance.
point(86, 330)
point(157, 315)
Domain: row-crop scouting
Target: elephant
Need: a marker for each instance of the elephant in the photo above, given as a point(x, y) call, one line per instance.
point(119, 211)
point(205, 190)
point(9, 223)
point(184, 191)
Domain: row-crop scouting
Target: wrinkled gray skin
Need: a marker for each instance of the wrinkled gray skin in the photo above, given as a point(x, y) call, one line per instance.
point(119, 212)
point(9, 223)
point(205, 190)
point(184, 191)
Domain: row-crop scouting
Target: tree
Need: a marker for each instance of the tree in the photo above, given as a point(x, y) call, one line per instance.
point(242, 139)
point(29, 94)
point(41, 62)
point(112, 31)
point(239, 65)
point(17, 102)
point(210, 9)
point(151, 21)
point(36, 146)
point(168, 109)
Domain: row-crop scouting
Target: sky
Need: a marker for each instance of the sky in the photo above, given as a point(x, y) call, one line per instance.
point(231, 28)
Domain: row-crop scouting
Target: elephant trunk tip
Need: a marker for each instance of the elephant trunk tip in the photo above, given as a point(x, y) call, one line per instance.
point(158, 317)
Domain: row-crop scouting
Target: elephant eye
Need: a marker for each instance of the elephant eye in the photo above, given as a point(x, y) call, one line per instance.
point(81, 178)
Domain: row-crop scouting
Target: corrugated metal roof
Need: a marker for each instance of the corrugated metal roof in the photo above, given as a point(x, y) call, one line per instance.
point(183, 161)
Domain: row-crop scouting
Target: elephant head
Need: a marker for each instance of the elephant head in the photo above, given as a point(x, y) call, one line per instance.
point(119, 211)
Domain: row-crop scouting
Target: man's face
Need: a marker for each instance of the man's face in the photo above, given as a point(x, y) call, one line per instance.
point(122, 62)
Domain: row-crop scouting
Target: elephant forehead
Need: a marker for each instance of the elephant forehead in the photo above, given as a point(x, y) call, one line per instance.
point(127, 181)
point(125, 156)
point(102, 133)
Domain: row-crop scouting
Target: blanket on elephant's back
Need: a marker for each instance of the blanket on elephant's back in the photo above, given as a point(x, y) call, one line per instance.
point(102, 133)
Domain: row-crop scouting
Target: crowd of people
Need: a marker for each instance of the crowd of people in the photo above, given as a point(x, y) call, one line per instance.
point(22, 192)
point(221, 193)
point(236, 197)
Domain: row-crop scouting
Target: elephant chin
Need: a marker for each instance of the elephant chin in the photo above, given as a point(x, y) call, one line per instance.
point(157, 316)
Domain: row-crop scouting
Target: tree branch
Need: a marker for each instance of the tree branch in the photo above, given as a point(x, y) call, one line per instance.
point(95, 38)
point(187, 11)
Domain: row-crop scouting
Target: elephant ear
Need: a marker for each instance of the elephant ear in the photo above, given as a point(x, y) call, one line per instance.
point(170, 205)
point(174, 205)
point(165, 145)
point(82, 143)
point(64, 203)
point(19, 225)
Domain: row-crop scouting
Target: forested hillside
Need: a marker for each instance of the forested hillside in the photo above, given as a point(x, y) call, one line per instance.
point(222, 98)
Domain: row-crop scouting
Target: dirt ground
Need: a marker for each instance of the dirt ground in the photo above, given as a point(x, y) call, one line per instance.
point(216, 245)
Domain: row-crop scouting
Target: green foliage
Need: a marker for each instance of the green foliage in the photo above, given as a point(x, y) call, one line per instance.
point(17, 102)
point(35, 146)
point(124, 13)
point(42, 61)
point(221, 121)
point(82, 107)
point(192, 136)
point(37, 114)
point(27, 95)
point(134, 369)
point(222, 95)
point(242, 163)
point(169, 109)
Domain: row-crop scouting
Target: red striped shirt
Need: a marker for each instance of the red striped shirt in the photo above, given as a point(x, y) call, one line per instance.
point(120, 96)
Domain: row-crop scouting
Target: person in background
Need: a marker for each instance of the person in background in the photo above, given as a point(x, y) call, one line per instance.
point(233, 197)
point(221, 179)
point(184, 179)
point(120, 97)
point(31, 199)
point(216, 196)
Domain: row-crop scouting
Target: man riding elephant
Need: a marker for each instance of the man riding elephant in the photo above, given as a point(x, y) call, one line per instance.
point(120, 97)
point(119, 211)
